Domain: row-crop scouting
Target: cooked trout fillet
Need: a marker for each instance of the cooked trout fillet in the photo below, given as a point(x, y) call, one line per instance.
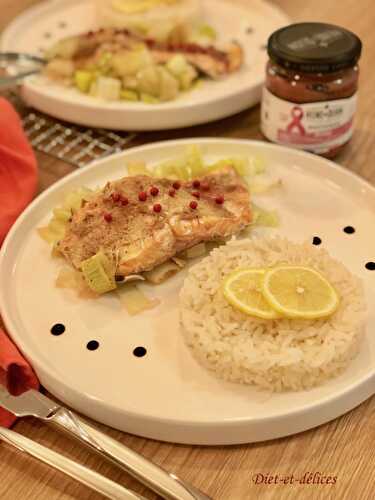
point(89, 47)
point(209, 61)
point(143, 234)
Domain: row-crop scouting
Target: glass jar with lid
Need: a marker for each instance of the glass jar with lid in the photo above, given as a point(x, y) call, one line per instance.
point(310, 95)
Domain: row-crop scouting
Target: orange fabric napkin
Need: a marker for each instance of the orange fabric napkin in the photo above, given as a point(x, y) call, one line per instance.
point(18, 180)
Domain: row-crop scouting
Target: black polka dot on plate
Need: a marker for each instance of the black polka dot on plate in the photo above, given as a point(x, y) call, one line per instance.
point(139, 352)
point(249, 30)
point(349, 230)
point(58, 329)
point(316, 240)
point(47, 35)
point(93, 345)
point(370, 266)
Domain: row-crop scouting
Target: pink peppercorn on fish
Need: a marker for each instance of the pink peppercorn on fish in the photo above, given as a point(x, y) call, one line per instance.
point(145, 221)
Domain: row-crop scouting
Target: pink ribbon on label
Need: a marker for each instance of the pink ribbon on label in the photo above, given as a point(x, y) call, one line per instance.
point(295, 124)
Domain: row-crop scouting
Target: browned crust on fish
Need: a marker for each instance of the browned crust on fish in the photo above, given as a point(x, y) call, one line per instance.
point(142, 238)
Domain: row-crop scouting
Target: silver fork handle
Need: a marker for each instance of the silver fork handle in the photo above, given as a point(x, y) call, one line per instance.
point(154, 477)
point(8, 59)
point(10, 81)
point(92, 479)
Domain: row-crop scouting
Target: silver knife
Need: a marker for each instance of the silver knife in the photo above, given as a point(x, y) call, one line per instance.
point(33, 403)
point(83, 474)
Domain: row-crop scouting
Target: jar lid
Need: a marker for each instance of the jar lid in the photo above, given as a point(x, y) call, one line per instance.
point(314, 47)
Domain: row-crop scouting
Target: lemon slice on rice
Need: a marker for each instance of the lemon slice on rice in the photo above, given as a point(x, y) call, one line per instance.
point(243, 290)
point(299, 292)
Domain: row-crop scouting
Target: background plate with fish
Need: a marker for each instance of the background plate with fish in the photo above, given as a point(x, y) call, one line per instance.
point(136, 373)
point(250, 23)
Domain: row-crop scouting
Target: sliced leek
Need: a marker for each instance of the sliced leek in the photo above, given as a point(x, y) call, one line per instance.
point(149, 99)
point(51, 237)
point(196, 251)
point(180, 262)
point(83, 80)
point(239, 164)
point(96, 273)
point(129, 95)
point(73, 200)
point(137, 168)
point(72, 279)
point(54, 232)
point(173, 169)
point(162, 272)
point(55, 252)
point(262, 186)
point(134, 300)
point(265, 218)
point(194, 162)
point(192, 165)
point(62, 214)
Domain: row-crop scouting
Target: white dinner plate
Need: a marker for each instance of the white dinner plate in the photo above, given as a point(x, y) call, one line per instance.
point(39, 27)
point(166, 394)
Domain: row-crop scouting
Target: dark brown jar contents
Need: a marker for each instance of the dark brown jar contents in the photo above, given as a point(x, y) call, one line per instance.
point(310, 95)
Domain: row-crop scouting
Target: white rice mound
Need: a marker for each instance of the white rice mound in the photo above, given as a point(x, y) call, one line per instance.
point(276, 355)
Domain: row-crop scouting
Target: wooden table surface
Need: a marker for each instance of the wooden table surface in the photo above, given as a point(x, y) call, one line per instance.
point(342, 448)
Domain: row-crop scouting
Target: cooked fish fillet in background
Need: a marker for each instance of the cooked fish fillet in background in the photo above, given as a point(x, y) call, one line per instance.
point(209, 61)
point(87, 48)
point(143, 234)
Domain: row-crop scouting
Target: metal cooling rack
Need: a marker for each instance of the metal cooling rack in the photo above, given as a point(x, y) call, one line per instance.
point(70, 143)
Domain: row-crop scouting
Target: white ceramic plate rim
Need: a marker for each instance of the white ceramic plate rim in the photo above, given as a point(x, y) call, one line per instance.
point(223, 422)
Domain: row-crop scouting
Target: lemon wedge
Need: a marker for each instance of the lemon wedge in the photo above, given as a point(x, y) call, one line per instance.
point(243, 290)
point(299, 292)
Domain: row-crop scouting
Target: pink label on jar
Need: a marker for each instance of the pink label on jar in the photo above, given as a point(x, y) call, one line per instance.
point(317, 127)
